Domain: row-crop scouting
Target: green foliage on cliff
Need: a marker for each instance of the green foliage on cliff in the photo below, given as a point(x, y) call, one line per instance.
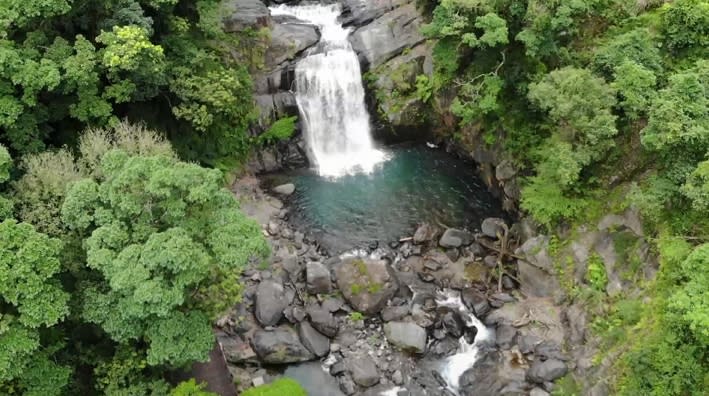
point(585, 96)
point(66, 65)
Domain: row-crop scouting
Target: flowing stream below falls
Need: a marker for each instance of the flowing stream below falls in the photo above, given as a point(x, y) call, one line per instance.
point(357, 193)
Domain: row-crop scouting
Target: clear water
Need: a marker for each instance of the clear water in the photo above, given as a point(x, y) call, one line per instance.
point(330, 97)
point(417, 184)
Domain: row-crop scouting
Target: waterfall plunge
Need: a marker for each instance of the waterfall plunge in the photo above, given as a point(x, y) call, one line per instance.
point(330, 97)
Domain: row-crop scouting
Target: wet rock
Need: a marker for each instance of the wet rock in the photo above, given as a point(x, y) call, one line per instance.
point(508, 283)
point(364, 371)
point(426, 277)
point(424, 233)
point(450, 321)
point(492, 227)
point(504, 171)
point(282, 345)
point(442, 348)
point(470, 333)
point(407, 336)
point(235, 349)
point(271, 301)
point(323, 320)
point(453, 238)
point(338, 368)
point(505, 336)
point(347, 386)
point(548, 370)
point(317, 278)
point(476, 301)
point(394, 313)
point(315, 341)
point(366, 284)
point(284, 189)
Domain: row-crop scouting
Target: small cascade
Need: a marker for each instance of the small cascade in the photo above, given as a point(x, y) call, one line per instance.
point(330, 97)
point(454, 366)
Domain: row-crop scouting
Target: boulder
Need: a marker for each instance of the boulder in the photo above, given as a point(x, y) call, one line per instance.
point(535, 272)
point(364, 371)
point(271, 301)
point(505, 335)
point(389, 35)
point(407, 336)
point(280, 346)
point(248, 14)
point(492, 226)
point(424, 233)
point(394, 313)
point(323, 320)
point(453, 238)
point(476, 301)
point(315, 341)
point(284, 189)
point(546, 371)
point(317, 278)
point(483, 379)
point(235, 349)
point(366, 284)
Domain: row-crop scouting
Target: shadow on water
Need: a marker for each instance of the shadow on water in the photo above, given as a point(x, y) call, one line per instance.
point(417, 184)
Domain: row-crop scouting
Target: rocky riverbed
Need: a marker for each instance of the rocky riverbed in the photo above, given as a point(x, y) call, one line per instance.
point(379, 320)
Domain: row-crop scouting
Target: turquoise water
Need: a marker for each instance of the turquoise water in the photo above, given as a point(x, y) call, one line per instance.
point(417, 184)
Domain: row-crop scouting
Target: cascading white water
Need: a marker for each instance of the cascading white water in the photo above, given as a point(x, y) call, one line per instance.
point(330, 97)
point(454, 366)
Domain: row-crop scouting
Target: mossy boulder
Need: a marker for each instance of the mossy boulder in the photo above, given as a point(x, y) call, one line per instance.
point(366, 284)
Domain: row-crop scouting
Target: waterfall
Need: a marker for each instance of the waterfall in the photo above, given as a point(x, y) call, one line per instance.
point(330, 97)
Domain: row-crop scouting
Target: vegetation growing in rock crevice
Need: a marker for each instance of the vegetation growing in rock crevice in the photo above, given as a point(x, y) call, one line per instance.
point(590, 97)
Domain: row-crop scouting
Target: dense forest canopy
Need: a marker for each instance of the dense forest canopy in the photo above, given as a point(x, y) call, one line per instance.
point(597, 99)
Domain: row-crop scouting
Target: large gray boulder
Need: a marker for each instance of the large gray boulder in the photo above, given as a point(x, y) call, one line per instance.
point(284, 189)
point(407, 336)
point(280, 346)
point(271, 301)
point(315, 341)
point(453, 238)
point(492, 226)
point(388, 35)
point(548, 370)
point(366, 284)
point(247, 14)
point(364, 371)
point(323, 320)
point(535, 272)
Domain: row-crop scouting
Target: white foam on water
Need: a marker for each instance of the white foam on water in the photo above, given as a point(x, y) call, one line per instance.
point(454, 366)
point(330, 97)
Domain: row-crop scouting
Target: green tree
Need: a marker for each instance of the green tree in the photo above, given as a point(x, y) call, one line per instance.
point(5, 166)
point(685, 23)
point(31, 299)
point(168, 242)
point(636, 88)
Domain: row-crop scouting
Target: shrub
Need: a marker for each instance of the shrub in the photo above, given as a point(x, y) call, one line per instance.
point(279, 387)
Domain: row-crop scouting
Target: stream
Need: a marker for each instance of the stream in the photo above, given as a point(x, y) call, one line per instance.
point(357, 195)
